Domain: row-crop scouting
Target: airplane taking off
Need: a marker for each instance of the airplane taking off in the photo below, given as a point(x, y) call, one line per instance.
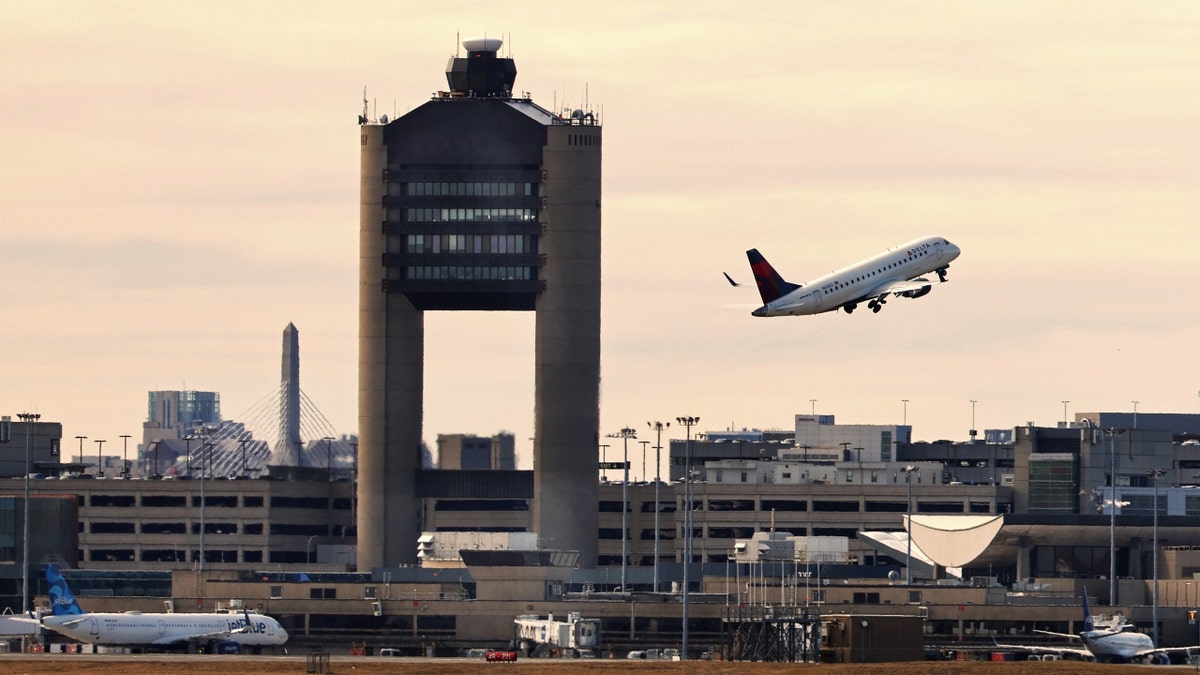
point(228, 633)
point(1116, 642)
point(896, 272)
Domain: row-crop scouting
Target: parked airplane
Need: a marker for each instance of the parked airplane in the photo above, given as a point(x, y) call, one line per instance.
point(230, 632)
point(1116, 642)
point(896, 272)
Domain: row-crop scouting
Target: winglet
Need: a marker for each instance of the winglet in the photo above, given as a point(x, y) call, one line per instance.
point(730, 280)
point(771, 286)
point(62, 601)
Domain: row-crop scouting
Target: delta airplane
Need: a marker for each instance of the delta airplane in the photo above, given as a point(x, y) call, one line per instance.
point(231, 632)
point(896, 272)
point(1116, 642)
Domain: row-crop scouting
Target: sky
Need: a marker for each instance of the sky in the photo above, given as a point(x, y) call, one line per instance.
point(181, 182)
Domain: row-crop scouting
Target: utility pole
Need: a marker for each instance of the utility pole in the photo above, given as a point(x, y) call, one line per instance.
point(658, 428)
point(29, 419)
point(688, 422)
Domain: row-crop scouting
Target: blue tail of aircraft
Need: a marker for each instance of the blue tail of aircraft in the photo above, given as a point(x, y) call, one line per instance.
point(771, 286)
point(62, 601)
point(1088, 626)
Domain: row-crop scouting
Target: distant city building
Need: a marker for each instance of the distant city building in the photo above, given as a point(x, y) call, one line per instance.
point(1182, 426)
point(173, 415)
point(464, 451)
point(822, 437)
point(183, 411)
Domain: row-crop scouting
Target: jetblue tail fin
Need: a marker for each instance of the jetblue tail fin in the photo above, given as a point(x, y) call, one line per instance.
point(62, 601)
point(1088, 626)
point(771, 286)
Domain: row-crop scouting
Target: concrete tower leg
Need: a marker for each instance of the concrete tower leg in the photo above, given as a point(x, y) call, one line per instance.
point(567, 344)
point(390, 385)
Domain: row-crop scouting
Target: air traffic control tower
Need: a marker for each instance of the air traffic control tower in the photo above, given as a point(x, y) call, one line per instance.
point(479, 200)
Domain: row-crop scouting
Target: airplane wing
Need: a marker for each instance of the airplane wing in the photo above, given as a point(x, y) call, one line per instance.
point(897, 287)
point(185, 637)
point(1039, 649)
point(1167, 650)
point(69, 623)
point(1051, 633)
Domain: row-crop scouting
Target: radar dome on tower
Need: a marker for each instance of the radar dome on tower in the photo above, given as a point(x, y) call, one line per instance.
point(482, 44)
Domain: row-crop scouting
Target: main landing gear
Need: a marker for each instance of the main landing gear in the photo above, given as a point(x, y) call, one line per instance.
point(941, 272)
point(876, 304)
point(850, 307)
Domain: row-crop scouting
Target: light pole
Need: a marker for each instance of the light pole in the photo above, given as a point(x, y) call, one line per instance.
point(243, 442)
point(29, 419)
point(125, 455)
point(625, 434)
point(1065, 425)
point(813, 401)
point(81, 440)
point(1155, 473)
point(204, 461)
point(658, 428)
point(1112, 433)
point(99, 462)
point(329, 456)
point(188, 445)
point(973, 432)
point(908, 472)
point(688, 422)
point(904, 420)
point(1135, 403)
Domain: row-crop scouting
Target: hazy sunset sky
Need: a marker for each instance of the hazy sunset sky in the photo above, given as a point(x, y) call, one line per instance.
point(180, 181)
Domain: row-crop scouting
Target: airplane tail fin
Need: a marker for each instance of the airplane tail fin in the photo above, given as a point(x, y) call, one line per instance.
point(1088, 625)
point(771, 286)
point(62, 601)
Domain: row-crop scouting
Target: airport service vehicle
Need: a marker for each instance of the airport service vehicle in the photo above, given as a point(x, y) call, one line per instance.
point(537, 636)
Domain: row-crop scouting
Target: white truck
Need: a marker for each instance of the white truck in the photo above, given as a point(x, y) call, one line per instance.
point(576, 636)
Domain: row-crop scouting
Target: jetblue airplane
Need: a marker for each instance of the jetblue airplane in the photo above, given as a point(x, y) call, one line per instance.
point(896, 272)
point(1116, 642)
point(228, 633)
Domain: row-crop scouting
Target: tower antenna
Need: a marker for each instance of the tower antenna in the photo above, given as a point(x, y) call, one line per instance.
point(365, 109)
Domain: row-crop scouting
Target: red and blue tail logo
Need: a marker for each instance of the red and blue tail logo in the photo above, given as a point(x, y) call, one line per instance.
point(771, 286)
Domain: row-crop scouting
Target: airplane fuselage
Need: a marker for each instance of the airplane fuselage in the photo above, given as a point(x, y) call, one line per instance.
point(136, 628)
point(1118, 646)
point(867, 279)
